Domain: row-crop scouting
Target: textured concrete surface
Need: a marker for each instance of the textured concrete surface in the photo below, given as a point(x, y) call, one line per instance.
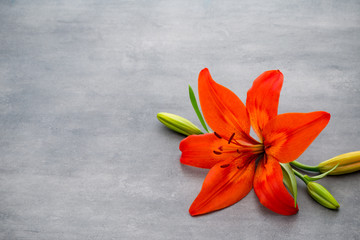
point(82, 155)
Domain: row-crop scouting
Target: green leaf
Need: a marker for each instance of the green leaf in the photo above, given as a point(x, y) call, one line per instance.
point(318, 177)
point(196, 108)
point(289, 179)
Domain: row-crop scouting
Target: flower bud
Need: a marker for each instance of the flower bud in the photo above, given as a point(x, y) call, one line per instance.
point(322, 196)
point(348, 163)
point(178, 124)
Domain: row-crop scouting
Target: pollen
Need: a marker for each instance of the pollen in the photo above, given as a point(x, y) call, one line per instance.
point(231, 138)
point(217, 135)
point(225, 165)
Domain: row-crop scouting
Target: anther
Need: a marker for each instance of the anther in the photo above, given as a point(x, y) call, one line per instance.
point(225, 165)
point(220, 148)
point(217, 135)
point(231, 138)
point(217, 153)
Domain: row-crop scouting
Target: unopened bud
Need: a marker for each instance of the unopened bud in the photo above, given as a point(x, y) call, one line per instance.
point(348, 163)
point(178, 124)
point(322, 195)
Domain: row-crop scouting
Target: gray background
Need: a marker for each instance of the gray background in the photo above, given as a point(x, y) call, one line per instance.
point(82, 155)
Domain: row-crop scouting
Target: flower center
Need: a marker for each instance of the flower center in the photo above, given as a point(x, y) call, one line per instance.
point(239, 146)
point(256, 149)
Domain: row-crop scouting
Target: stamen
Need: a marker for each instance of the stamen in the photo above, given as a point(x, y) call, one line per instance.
point(217, 135)
point(231, 138)
point(220, 148)
point(217, 153)
point(225, 165)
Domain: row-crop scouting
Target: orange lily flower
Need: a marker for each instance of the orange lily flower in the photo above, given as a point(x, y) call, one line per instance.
point(231, 152)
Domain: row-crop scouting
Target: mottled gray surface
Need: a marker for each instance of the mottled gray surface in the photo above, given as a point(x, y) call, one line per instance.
point(82, 153)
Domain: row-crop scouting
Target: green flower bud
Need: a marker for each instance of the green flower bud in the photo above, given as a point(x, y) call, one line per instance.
point(322, 195)
point(348, 163)
point(178, 124)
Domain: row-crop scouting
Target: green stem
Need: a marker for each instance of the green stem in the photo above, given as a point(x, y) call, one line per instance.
point(302, 177)
point(305, 167)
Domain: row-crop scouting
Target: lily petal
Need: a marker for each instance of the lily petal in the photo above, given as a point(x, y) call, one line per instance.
point(204, 151)
point(269, 187)
point(288, 135)
point(226, 183)
point(224, 112)
point(263, 99)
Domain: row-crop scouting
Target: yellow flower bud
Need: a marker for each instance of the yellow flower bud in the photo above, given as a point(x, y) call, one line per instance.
point(348, 163)
point(322, 195)
point(178, 124)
